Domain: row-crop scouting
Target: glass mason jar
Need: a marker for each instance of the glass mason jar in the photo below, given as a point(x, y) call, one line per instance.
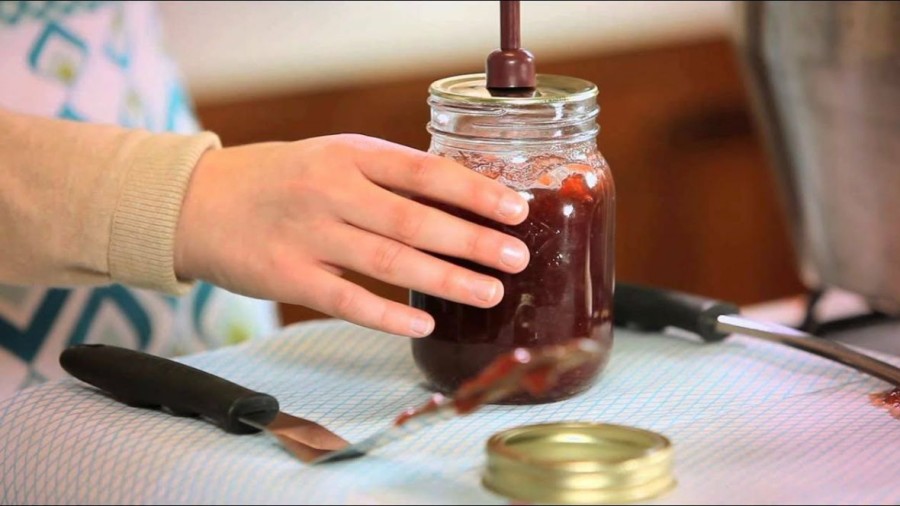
point(544, 146)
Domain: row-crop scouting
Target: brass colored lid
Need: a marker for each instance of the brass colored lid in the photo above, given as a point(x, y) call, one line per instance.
point(574, 462)
point(550, 89)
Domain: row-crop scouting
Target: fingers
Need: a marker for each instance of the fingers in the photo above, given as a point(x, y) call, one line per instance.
point(430, 229)
point(342, 299)
point(441, 179)
point(398, 264)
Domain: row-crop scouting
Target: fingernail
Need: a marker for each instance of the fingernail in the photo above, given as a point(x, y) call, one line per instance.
point(510, 206)
point(484, 290)
point(420, 326)
point(512, 256)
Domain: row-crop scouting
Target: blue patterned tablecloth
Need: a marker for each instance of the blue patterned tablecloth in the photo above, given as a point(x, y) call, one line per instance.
point(751, 422)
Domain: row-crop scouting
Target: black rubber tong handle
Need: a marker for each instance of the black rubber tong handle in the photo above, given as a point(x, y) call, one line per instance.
point(653, 309)
point(143, 380)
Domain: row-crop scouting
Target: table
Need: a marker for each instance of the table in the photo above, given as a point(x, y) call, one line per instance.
point(750, 421)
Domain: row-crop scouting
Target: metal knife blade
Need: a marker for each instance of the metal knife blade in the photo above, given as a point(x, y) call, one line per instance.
point(654, 309)
point(143, 380)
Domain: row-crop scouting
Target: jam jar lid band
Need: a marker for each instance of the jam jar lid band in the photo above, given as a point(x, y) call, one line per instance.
point(550, 89)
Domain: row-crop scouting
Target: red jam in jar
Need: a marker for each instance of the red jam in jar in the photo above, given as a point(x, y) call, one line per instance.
point(544, 146)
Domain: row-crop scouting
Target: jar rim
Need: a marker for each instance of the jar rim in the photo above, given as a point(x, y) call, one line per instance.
point(551, 89)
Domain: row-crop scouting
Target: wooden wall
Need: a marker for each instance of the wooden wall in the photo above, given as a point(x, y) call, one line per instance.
point(697, 206)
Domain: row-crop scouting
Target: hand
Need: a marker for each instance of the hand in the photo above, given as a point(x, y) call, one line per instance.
point(282, 221)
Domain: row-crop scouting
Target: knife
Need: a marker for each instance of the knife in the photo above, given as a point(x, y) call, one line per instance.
point(143, 380)
point(653, 309)
point(148, 381)
point(534, 370)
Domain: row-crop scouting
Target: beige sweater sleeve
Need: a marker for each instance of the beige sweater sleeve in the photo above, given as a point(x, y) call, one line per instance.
point(92, 204)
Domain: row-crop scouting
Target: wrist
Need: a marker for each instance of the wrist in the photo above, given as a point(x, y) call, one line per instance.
point(188, 231)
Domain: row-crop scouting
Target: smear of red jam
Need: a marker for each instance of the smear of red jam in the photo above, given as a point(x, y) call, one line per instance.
point(889, 400)
point(472, 394)
point(435, 401)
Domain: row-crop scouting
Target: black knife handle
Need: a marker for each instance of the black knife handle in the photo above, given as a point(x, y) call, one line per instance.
point(143, 380)
point(653, 309)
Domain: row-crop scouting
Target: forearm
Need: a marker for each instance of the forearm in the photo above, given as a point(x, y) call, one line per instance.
point(91, 204)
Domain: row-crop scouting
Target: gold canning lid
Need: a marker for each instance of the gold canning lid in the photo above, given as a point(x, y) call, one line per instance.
point(575, 462)
point(550, 89)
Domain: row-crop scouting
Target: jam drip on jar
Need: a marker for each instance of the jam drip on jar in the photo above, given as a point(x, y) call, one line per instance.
point(889, 400)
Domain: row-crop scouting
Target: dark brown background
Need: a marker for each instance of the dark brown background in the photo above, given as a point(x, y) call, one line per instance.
point(697, 206)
